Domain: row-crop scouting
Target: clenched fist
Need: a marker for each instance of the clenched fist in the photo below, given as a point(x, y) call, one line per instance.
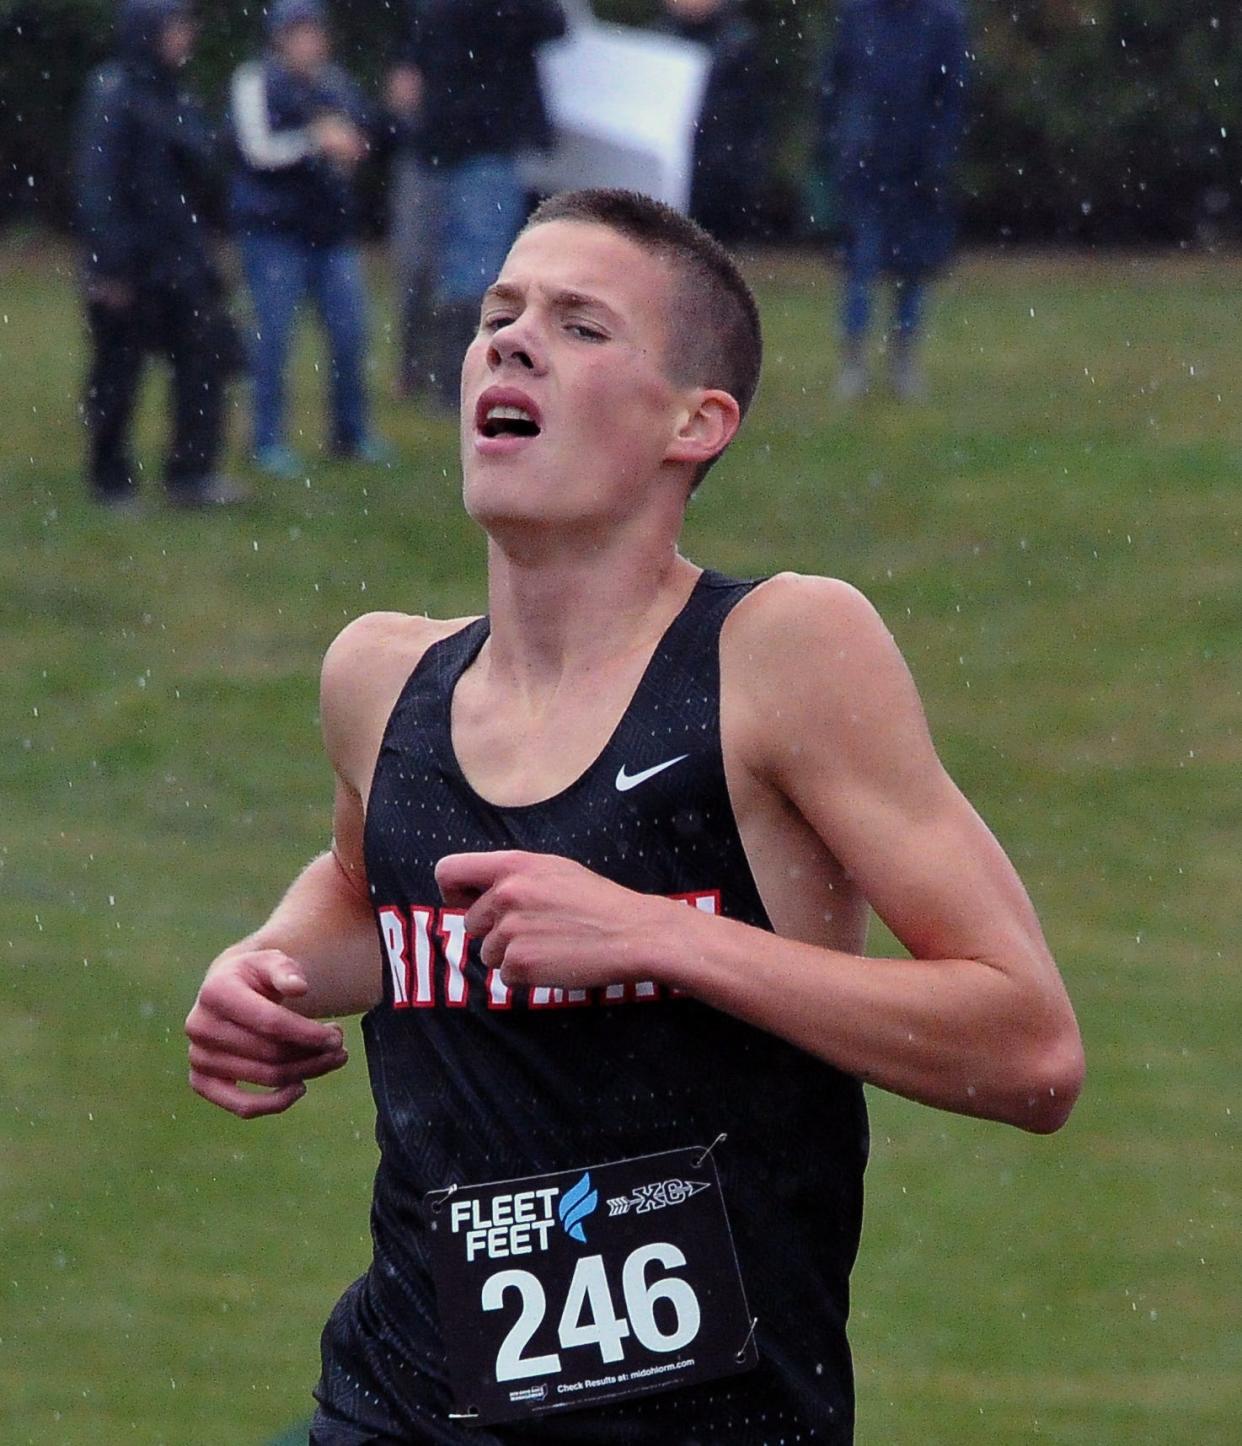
point(243, 1032)
point(545, 920)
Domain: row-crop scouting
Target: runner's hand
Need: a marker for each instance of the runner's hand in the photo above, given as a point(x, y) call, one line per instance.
point(547, 920)
point(242, 1032)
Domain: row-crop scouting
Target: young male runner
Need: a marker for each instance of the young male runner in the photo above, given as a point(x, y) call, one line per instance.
point(619, 838)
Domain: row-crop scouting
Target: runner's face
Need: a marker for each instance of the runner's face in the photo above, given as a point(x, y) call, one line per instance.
point(571, 348)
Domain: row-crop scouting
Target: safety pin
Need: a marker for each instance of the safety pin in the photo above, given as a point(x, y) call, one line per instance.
point(750, 1335)
point(438, 1204)
point(720, 1139)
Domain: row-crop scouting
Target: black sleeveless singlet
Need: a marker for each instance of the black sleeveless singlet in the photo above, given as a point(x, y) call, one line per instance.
point(476, 1083)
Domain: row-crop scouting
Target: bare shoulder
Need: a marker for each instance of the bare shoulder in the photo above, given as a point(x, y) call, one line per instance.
point(383, 641)
point(807, 663)
point(363, 673)
point(793, 619)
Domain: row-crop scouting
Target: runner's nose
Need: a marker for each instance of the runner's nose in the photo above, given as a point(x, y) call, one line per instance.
point(516, 354)
point(514, 343)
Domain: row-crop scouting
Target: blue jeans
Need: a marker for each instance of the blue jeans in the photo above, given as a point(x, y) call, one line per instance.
point(480, 203)
point(280, 272)
point(865, 260)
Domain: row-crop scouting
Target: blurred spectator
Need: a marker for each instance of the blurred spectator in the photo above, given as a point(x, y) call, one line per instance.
point(730, 147)
point(146, 182)
point(302, 129)
point(473, 64)
point(891, 113)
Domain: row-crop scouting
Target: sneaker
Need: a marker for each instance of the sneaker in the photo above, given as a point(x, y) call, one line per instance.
point(205, 492)
point(853, 380)
point(280, 462)
point(852, 383)
point(906, 378)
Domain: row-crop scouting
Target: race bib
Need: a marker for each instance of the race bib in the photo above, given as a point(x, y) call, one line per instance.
point(587, 1286)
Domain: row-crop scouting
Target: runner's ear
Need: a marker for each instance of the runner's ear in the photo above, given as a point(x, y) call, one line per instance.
point(705, 428)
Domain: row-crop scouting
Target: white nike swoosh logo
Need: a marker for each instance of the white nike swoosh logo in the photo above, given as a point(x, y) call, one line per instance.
point(626, 781)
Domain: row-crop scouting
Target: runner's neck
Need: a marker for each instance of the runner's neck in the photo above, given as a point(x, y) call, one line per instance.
point(554, 623)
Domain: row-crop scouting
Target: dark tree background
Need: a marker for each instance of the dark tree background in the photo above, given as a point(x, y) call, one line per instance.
point(1090, 120)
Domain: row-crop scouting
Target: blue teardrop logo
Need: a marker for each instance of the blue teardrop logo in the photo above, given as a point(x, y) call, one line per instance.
point(575, 1205)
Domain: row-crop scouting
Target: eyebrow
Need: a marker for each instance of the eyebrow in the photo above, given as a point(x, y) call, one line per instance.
point(561, 300)
point(498, 291)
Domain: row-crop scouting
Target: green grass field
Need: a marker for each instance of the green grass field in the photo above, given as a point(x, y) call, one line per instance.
point(1056, 540)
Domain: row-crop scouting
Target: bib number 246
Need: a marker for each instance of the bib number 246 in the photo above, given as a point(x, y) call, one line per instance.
point(589, 1316)
point(563, 1291)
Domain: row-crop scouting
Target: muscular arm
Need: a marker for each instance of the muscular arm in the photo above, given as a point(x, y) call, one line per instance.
point(253, 1023)
point(977, 1021)
point(325, 924)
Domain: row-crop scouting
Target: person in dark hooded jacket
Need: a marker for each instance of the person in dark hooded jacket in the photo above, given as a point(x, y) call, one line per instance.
point(146, 184)
point(891, 105)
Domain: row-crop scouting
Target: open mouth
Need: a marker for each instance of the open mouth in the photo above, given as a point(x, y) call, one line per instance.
point(508, 421)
